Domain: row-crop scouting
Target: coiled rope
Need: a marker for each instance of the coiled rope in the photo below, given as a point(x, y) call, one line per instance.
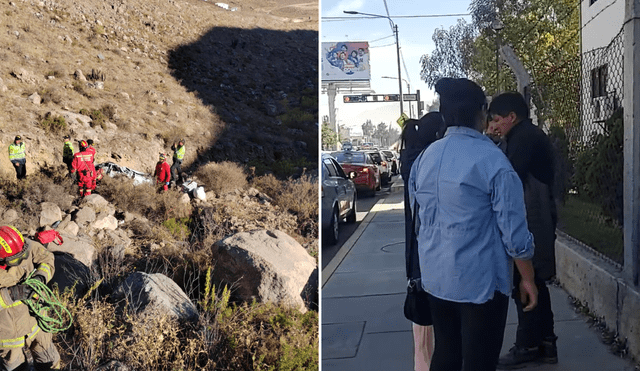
point(51, 315)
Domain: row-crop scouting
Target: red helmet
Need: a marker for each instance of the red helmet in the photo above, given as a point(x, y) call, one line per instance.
point(13, 248)
point(83, 145)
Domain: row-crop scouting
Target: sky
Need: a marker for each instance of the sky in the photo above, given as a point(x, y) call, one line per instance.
point(415, 38)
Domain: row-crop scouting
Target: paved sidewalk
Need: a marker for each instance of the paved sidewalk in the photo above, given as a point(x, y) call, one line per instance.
point(363, 290)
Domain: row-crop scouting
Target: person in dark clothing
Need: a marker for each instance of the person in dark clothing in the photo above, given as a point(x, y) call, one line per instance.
point(471, 229)
point(531, 154)
point(417, 135)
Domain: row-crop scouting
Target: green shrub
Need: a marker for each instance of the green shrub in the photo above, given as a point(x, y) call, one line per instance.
point(179, 227)
point(599, 167)
point(98, 118)
point(53, 124)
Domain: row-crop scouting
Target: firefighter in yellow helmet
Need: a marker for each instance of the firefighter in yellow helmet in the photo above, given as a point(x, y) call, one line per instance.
point(18, 329)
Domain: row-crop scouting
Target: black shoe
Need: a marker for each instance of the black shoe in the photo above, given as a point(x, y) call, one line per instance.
point(518, 357)
point(548, 350)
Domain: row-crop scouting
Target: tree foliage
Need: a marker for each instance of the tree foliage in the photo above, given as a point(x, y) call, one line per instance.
point(544, 35)
point(329, 137)
point(368, 129)
point(452, 55)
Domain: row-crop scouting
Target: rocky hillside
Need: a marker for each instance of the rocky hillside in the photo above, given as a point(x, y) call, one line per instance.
point(238, 84)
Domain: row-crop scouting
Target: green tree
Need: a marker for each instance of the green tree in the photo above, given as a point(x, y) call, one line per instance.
point(544, 35)
point(329, 137)
point(368, 129)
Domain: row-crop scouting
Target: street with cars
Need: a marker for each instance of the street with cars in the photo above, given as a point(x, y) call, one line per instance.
point(351, 185)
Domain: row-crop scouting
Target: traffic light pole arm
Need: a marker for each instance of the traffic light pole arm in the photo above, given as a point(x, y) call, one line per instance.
point(395, 30)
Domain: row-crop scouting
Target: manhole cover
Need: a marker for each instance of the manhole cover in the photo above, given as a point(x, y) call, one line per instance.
point(394, 247)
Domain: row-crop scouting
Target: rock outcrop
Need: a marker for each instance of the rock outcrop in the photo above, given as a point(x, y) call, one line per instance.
point(269, 266)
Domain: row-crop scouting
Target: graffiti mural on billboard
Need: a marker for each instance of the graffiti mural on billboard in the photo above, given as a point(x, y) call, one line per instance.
point(345, 61)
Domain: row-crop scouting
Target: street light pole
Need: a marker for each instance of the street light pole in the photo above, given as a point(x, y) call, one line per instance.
point(497, 27)
point(408, 90)
point(395, 31)
point(395, 27)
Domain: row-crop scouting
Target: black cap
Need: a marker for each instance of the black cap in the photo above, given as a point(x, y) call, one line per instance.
point(459, 91)
point(18, 137)
point(67, 136)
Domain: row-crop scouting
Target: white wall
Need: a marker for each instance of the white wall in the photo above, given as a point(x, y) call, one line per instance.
point(603, 22)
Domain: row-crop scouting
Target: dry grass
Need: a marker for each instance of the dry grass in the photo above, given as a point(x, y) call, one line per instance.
point(222, 177)
point(227, 336)
point(144, 199)
point(298, 196)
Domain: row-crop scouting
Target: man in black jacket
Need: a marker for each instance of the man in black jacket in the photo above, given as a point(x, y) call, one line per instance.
point(531, 154)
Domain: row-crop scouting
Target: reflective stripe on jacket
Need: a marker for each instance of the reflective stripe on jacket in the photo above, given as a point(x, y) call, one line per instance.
point(17, 151)
point(179, 153)
point(15, 320)
point(67, 151)
point(83, 162)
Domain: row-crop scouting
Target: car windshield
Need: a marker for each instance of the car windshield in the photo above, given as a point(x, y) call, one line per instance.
point(375, 156)
point(349, 157)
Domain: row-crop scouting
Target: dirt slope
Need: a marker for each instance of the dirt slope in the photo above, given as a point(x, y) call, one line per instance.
point(238, 85)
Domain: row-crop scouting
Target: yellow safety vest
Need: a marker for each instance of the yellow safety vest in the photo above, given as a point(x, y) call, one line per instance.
point(16, 151)
point(67, 152)
point(179, 153)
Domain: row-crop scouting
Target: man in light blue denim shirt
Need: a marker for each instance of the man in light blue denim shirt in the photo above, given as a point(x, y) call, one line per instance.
point(471, 228)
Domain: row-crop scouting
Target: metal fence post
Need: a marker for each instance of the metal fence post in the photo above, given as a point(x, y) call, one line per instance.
point(631, 104)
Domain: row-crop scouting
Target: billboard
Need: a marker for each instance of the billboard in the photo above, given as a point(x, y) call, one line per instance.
point(344, 61)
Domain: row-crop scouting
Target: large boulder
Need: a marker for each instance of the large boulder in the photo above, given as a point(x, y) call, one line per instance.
point(9, 216)
point(70, 272)
point(156, 294)
point(80, 248)
point(84, 216)
point(98, 203)
point(266, 265)
point(49, 213)
point(105, 221)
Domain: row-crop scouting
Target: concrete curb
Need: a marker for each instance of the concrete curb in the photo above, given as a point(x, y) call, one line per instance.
point(328, 271)
point(602, 288)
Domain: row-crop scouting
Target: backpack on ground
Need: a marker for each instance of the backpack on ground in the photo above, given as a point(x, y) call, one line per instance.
point(51, 235)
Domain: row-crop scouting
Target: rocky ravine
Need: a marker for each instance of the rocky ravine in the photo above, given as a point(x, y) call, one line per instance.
point(238, 85)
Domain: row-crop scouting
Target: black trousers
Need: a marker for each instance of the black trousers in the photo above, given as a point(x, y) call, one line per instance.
point(21, 169)
point(176, 169)
point(68, 162)
point(535, 325)
point(468, 336)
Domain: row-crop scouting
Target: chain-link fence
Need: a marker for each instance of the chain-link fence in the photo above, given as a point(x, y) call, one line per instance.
point(586, 126)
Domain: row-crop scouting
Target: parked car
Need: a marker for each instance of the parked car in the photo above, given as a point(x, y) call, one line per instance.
point(367, 177)
point(392, 159)
point(381, 161)
point(338, 198)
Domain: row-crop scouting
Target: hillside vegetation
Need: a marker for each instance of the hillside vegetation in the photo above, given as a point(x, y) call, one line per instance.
point(237, 85)
point(135, 76)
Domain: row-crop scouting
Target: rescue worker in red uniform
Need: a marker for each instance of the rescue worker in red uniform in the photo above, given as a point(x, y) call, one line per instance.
point(83, 164)
point(18, 329)
point(92, 151)
point(163, 172)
